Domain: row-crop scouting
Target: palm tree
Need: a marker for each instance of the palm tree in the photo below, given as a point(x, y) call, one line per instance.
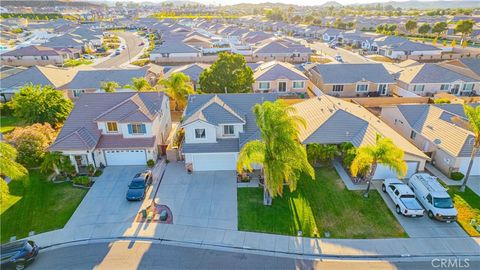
point(177, 87)
point(282, 156)
point(110, 87)
point(52, 161)
point(140, 85)
point(8, 166)
point(384, 152)
point(473, 115)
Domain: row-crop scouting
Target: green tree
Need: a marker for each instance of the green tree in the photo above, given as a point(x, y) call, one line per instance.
point(9, 168)
point(55, 161)
point(384, 152)
point(282, 156)
point(110, 87)
point(37, 104)
point(177, 87)
point(140, 84)
point(424, 28)
point(439, 27)
point(473, 116)
point(410, 25)
point(465, 27)
point(229, 73)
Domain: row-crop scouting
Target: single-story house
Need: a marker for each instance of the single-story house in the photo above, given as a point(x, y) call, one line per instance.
point(282, 50)
point(279, 77)
point(38, 55)
point(193, 71)
point(439, 131)
point(115, 129)
point(174, 50)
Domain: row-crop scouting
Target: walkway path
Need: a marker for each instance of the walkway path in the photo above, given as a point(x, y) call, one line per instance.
point(473, 182)
point(346, 178)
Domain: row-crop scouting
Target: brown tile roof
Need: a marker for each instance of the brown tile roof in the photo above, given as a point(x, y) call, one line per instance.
point(118, 142)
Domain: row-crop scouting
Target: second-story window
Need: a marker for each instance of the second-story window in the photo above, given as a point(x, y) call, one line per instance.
point(228, 130)
point(200, 133)
point(137, 129)
point(112, 127)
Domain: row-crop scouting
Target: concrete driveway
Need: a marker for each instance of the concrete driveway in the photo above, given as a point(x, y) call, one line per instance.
point(423, 226)
point(204, 199)
point(105, 202)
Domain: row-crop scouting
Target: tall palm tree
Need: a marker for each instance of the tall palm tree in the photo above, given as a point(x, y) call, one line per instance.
point(282, 156)
point(384, 152)
point(177, 87)
point(140, 85)
point(110, 87)
point(473, 115)
point(8, 166)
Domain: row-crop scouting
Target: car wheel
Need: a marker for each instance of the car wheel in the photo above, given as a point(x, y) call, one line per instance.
point(397, 208)
point(430, 214)
point(384, 189)
point(20, 266)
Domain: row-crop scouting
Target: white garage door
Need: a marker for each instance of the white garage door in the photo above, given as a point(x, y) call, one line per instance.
point(214, 162)
point(475, 167)
point(383, 172)
point(125, 157)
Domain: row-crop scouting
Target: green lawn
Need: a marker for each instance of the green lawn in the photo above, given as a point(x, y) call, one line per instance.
point(8, 123)
point(468, 206)
point(37, 205)
point(316, 207)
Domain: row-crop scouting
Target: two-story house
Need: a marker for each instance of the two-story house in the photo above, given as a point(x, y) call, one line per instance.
point(216, 127)
point(439, 130)
point(108, 129)
point(351, 80)
point(279, 77)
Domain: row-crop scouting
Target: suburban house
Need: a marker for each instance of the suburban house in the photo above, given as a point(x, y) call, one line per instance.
point(174, 51)
point(279, 77)
point(282, 50)
point(331, 120)
point(36, 75)
point(466, 66)
point(331, 34)
point(193, 71)
point(351, 80)
point(68, 41)
point(428, 79)
point(216, 127)
point(91, 80)
point(108, 129)
point(38, 55)
point(439, 131)
point(400, 48)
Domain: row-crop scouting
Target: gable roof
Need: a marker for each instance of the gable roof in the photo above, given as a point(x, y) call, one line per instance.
point(282, 46)
point(80, 130)
point(353, 73)
point(431, 73)
point(46, 75)
point(191, 70)
point(274, 70)
point(32, 50)
point(174, 46)
point(93, 79)
point(216, 112)
point(332, 120)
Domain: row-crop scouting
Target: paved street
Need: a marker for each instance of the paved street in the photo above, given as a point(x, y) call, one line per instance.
point(348, 57)
point(204, 199)
point(132, 49)
point(147, 255)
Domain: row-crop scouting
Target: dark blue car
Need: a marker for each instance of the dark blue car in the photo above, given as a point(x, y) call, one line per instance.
point(17, 255)
point(139, 185)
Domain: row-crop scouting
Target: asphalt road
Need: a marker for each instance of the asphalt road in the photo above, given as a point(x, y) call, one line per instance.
point(348, 57)
point(146, 255)
point(132, 49)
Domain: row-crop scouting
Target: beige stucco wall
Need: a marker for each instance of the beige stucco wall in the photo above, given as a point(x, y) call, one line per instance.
point(274, 86)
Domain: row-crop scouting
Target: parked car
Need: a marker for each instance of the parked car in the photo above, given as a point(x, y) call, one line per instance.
point(339, 58)
point(123, 47)
point(18, 254)
point(332, 45)
point(89, 56)
point(433, 197)
point(139, 185)
point(141, 44)
point(403, 197)
point(118, 51)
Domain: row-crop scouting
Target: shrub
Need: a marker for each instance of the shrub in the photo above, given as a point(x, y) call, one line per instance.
point(91, 169)
point(141, 62)
point(441, 100)
point(82, 180)
point(457, 176)
point(97, 173)
point(150, 163)
point(6, 108)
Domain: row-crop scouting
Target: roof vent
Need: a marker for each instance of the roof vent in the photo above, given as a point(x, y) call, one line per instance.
point(437, 141)
point(430, 127)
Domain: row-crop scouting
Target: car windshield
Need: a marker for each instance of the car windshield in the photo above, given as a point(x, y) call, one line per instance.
point(137, 184)
point(442, 202)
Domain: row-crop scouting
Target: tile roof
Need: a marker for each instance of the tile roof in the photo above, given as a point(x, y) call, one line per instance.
point(222, 145)
point(119, 142)
point(274, 70)
point(216, 112)
point(191, 70)
point(174, 46)
point(353, 73)
point(32, 50)
point(432, 73)
point(43, 75)
point(282, 46)
point(93, 79)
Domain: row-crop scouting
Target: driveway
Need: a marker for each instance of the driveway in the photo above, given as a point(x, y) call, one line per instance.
point(105, 202)
point(204, 199)
point(423, 226)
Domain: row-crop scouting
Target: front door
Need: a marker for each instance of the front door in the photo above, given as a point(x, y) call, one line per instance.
point(81, 160)
point(455, 89)
point(382, 89)
point(282, 86)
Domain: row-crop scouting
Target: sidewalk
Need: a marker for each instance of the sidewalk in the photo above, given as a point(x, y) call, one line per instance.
point(473, 182)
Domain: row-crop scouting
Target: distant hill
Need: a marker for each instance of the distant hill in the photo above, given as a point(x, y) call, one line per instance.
point(181, 3)
point(427, 4)
point(46, 3)
point(331, 4)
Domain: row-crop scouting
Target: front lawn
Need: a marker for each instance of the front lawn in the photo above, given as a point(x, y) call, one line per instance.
point(8, 123)
point(316, 207)
point(37, 205)
point(468, 206)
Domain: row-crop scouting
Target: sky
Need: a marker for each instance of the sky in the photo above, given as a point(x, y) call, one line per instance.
point(297, 2)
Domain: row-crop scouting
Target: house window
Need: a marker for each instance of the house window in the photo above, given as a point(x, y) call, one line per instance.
point(200, 133)
point(264, 85)
point(362, 87)
point(44, 57)
point(136, 129)
point(77, 93)
point(112, 127)
point(382, 89)
point(282, 86)
point(413, 135)
point(468, 87)
point(445, 87)
point(418, 88)
point(228, 130)
point(337, 88)
point(298, 84)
